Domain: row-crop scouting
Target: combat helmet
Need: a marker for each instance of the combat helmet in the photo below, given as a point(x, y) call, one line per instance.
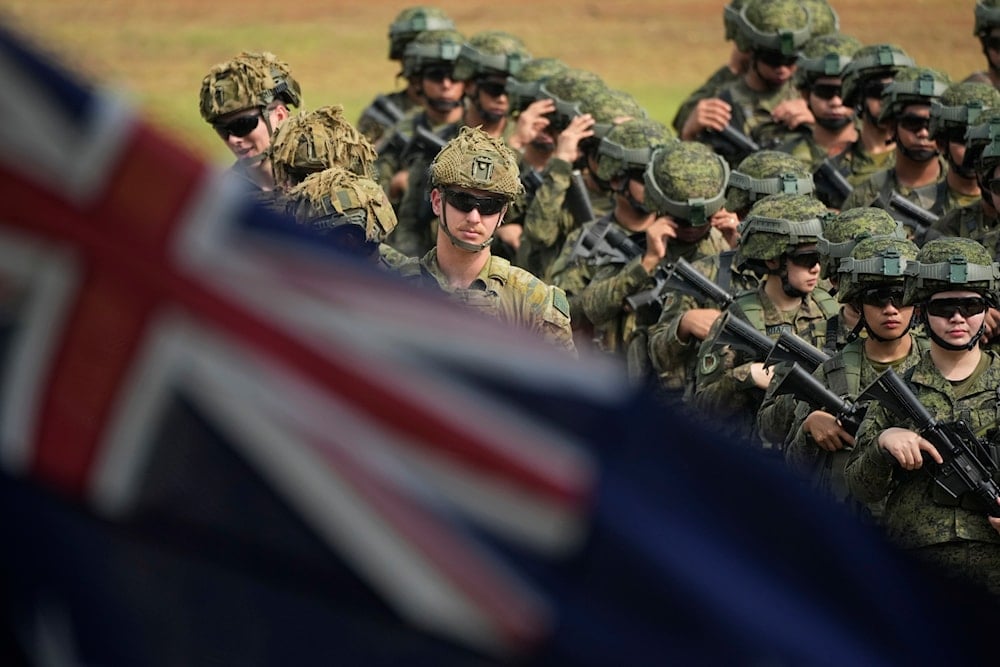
point(874, 261)
point(351, 210)
point(310, 142)
point(766, 172)
point(987, 15)
point(627, 147)
point(687, 181)
point(476, 161)
point(843, 231)
point(912, 85)
point(523, 88)
point(982, 145)
point(776, 225)
point(781, 26)
point(431, 48)
point(953, 263)
point(823, 18)
point(248, 81)
point(878, 61)
point(825, 56)
point(411, 22)
point(730, 18)
point(567, 90)
point(608, 107)
point(490, 52)
point(960, 106)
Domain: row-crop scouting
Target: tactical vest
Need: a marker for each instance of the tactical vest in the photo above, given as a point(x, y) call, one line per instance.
point(753, 310)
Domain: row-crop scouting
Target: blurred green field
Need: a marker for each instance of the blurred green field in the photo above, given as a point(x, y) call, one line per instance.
point(658, 50)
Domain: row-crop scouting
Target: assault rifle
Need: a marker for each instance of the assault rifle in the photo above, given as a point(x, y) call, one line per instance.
point(968, 465)
point(604, 234)
point(741, 335)
point(730, 143)
point(578, 200)
point(426, 142)
point(680, 276)
point(831, 186)
point(912, 216)
point(383, 111)
point(803, 386)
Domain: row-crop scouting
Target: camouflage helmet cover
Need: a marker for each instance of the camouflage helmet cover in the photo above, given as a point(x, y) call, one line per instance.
point(987, 15)
point(477, 161)
point(824, 18)
point(568, 89)
point(490, 52)
point(779, 223)
point(607, 107)
point(336, 197)
point(766, 172)
point(952, 263)
point(872, 62)
point(982, 143)
point(912, 85)
point(875, 260)
point(316, 140)
point(412, 21)
point(825, 56)
point(687, 181)
point(523, 88)
point(629, 146)
point(843, 231)
point(730, 18)
point(250, 80)
point(431, 47)
point(962, 105)
point(773, 25)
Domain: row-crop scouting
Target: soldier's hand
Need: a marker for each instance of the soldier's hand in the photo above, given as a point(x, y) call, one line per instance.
point(906, 447)
point(568, 144)
point(792, 113)
point(994, 521)
point(708, 114)
point(992, 324)
point(530, 123)
point(510, 234)
point(727, 223)
point(658, 235)
point(697, 322)
point(826, 431)
point(760, 375)
point(398, 183)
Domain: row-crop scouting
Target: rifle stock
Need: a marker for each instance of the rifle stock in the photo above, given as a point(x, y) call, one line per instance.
point(911, 215)
point(803, 386)
point(578, 200)
point(680, 276)
point(741, 335)
point(963, 469)
point(789, 347)
point(831, 186)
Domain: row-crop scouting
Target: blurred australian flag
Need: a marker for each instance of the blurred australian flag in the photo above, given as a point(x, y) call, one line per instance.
point(223, 444)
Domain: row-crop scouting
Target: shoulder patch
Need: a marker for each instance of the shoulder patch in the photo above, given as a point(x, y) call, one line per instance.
point(559, 301)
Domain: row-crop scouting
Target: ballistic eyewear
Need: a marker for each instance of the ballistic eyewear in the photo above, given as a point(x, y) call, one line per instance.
point(238, 127)
point(880, 297)
point(965, 306)
point(776, 58)
point(805, 260)
point(465, 202)
point(914, 124)
point(826, 91)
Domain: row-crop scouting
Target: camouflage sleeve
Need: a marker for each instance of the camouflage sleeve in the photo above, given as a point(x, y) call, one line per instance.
point(412, 235)
point(801, 452)
point(544, 218)
point(556, 322)
point(775, 419)
point(671, 357)
point(538, 307)
point(864, 194)
point(723, 386)
point(603, 299)
point(572, 277)
point(869, 471)
point(709, 89)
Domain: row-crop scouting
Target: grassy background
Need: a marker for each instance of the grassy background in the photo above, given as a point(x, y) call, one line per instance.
point(659, 50)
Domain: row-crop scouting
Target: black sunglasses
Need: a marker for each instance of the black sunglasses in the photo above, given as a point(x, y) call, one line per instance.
point(493, 88)
point(874, 88)
point(805, 260)
point(880, 297)
point(776, 59)
point(992, 43)
point(238, 127)
point(465, 202)
point(438, 74)
point(914, 123)
point(965, 306)
point(826, 91)
point(994, 186)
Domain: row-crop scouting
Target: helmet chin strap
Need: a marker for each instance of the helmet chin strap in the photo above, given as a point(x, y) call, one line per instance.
point(636, 205)
point(862, 323)
point(786, 287)
point(442, 105)
point(923, 155)
point(973, 342)
point(465, 245)
point(833, 124)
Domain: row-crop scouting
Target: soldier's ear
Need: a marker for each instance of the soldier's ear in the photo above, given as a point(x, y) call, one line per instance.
point(436, 201)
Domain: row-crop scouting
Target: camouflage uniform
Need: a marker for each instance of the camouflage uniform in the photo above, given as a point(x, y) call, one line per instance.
point(724, 389)
point(849, 370)
point(919, 516)
point(374, 122)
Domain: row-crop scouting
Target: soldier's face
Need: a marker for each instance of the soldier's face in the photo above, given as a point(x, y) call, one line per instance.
point(954, 327)
point(803, 266)
point(886, 317)
point(471, 215)
point(825, 99)
point(913, 127)
point(255, 142)
point(491, 93)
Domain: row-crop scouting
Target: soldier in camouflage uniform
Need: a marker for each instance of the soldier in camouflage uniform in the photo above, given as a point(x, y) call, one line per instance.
point(962, 105)
point(987, 29)
point(312, 141)
point(919, 173)
point(978, 220)
point(871, 69)
point(474, 178)
point(349, 211)
point(245, 100)
point(389, 108)
point(667, 216)
point(550, 216)
point(955, 380)
point(405, 152)
point(685, 318)
point(872, 284)
point(819, 79)
point(773, 31)
point(778, 239)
